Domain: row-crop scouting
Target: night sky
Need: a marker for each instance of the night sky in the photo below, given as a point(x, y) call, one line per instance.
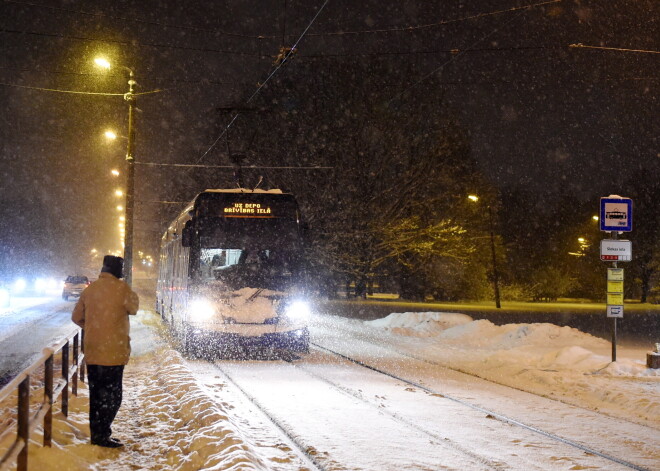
point(560, 119)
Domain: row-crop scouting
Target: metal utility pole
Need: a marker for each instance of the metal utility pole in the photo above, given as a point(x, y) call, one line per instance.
point(496, 283)
point(130, 181)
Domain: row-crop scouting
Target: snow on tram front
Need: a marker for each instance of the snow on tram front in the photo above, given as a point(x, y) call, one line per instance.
point(231, 273)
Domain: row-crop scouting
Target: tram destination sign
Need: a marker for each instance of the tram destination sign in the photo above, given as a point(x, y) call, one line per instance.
point(248, 210)
point(614, 250)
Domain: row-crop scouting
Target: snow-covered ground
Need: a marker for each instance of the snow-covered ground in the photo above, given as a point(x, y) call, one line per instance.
point(190, 414)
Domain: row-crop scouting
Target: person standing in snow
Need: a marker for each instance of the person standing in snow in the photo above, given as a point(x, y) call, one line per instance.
point(102, 311)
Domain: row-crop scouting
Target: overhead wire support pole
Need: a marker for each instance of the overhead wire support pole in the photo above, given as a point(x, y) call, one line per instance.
point(130, 181)
point(496, 282)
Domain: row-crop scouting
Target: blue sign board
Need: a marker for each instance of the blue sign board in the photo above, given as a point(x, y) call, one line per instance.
point(616, 214)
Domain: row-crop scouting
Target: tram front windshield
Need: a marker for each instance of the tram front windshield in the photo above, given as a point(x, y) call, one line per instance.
point(250, 255)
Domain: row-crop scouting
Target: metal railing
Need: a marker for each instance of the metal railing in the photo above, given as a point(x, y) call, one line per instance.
point(72, 369)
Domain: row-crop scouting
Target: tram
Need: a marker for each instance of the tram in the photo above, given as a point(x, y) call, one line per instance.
point(231, 275)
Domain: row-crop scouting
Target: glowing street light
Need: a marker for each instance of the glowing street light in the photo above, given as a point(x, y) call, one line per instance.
point(110, 135)
point(101, 62)
point(473, 198)
point(120, 208)
point(130, 168)
point(114, 172)
point(119, 193)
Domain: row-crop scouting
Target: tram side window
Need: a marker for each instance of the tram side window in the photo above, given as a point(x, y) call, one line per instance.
point(212, 260)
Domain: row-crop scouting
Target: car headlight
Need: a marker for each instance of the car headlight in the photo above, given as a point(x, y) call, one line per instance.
point(201, 310)
point(298, 310)
point(40, 284)
point(20, 285)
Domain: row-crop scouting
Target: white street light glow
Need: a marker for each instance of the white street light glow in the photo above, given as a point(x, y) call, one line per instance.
point(120, 208)
point(110, 135)
point(114, 172)
point(119, 193)
point(474, 198)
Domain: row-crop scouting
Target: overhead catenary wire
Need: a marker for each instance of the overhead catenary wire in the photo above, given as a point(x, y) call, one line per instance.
point(132, 43)
point(278, 167)
point(261, 85)
point(452, 59)
point(404, 29)
point(139, 20)
point(617, 49)
point(387, 29)
point(411, 28)
point(76, 92)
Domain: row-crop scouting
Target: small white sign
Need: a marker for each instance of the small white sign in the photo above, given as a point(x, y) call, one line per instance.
point(614, 311)
point(614, 250)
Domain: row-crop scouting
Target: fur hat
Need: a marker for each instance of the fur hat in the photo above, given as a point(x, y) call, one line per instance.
point(113, 265)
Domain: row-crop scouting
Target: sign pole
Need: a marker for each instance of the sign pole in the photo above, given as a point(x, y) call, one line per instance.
point(616, 218)
point(614, 319)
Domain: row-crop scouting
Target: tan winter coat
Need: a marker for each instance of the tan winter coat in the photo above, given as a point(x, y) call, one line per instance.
point(102, 311)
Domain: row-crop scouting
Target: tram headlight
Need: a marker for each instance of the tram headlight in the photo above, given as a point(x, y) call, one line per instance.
point(298, 310)
point(201, 310)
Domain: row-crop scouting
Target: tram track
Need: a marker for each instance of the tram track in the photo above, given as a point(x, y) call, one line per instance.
point(488, 413)
point(478, 461)
point(294, 442)
point(365, 338)
point(489, 463)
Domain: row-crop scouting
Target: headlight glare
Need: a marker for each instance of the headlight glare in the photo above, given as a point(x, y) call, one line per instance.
point(20, 285)
point(298, 310)
point(201, 310)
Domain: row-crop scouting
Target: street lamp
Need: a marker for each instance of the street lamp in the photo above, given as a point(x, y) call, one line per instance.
point(496, 284)
point(130, 170)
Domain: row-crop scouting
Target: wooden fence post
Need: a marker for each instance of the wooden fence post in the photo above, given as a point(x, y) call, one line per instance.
point(23, 422)
point(82, 349)
point(48, 399)
point(65, 375)
point(74, 380)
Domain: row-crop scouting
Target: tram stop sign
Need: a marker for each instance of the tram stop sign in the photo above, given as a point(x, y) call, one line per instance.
point(615, 250)
point(615, 214)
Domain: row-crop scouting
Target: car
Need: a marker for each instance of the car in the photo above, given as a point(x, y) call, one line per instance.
point(74, 286)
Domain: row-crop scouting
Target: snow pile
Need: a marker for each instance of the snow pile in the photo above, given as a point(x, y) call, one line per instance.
point(420, 324)
point(167, 421)
point(560, 362)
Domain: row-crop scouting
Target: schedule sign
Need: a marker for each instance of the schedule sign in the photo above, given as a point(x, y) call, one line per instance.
point(616, 214)
point(614, 250)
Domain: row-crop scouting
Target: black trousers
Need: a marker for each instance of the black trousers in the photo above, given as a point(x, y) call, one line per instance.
point(105, 394)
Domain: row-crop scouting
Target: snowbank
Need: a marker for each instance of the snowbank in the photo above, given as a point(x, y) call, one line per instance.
point(420, 324)
point(167, 421)
point(559, 362)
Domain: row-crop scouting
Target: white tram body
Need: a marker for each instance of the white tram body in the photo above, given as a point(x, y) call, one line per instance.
point(231, 272)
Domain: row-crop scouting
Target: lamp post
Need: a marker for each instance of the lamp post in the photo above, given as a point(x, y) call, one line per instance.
point(496, 282)
point(130, 171)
